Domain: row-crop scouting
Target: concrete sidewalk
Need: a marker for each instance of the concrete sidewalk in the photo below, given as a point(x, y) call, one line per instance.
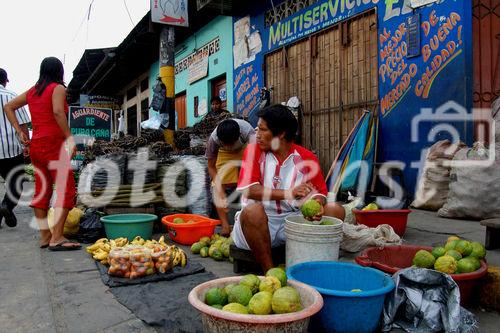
point(43, 291)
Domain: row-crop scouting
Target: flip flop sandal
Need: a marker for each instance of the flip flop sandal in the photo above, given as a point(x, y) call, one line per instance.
point(61, 247)
point(44, 246)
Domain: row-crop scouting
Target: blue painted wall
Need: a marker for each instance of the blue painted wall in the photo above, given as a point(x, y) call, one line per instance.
point(220, 63)
point(441, 73)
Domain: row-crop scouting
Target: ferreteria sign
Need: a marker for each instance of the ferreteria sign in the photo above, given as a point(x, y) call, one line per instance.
point(314, 18)
point(205, 51)
point(89, 124)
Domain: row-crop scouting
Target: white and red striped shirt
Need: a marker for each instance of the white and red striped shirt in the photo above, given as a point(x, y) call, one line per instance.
point(260, 167)
point(9, 144)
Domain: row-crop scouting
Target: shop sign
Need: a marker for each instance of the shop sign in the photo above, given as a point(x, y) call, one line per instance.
point(198, 68)
point(314, 18)
point(210, 48)
point(98, 101)
point(171, 12)
point(89, 124)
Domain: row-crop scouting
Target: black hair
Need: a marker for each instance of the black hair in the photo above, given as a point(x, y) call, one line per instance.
point(3, 76)
point(51, 70)
point(279, 120)
point(215, 99)
point(228, 131)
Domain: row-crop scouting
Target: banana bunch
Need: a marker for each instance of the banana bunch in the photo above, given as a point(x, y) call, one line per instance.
point(179, 256)
point(100, 250)
point(138, 240)
point(119, 242)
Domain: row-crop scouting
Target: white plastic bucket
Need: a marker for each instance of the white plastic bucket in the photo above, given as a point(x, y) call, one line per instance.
point(308, 242)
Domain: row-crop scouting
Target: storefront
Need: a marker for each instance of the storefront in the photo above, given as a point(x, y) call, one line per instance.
point(341, 57)
point(203, 69)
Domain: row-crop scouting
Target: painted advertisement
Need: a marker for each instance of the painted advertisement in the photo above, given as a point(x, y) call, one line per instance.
point(424, 61)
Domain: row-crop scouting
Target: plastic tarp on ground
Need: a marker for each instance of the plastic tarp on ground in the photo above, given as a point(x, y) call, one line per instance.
point(346, 173)
point(426, 301)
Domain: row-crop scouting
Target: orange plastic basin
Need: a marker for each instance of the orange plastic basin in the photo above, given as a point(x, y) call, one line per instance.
point(391, 259)
point(189, 233)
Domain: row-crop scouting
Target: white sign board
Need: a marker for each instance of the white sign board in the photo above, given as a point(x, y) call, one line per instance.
point(419, 3)
point(198, 68)
point(171, 12)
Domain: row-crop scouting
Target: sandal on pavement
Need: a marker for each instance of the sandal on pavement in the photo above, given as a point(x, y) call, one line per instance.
point(44, 246)
point(60, 246)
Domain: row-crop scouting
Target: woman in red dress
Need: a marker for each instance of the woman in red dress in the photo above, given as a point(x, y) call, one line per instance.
point(51, 149)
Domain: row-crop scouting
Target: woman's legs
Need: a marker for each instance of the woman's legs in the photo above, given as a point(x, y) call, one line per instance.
point(43, 226)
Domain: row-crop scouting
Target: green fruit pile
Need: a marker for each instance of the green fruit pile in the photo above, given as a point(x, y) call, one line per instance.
point(253, 295)
point(457, 256)
point(215, 247)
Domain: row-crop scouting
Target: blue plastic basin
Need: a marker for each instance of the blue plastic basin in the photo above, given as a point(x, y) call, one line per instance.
point(345, 310)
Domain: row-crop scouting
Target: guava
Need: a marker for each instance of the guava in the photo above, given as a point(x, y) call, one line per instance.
point(446, 264)
point(278, 273)
point(310, 208)
point(251, 281)
point(228, 288)
point(327, 222)
point(451, 245)
point(178, 220)
point(423, 259)
point(225, 250)
point(371, 206)
point(454, 254)
point(196, 247)
point(204, 252)
point(216, 255)
point(235, 308)
point(217, 306)
point(270, 284)
point(438, 251)
point(463, 247)
point(286, 300)
point(475, 261)
point(205, 241)
point(478, 250)
point(240, 294)
point(216, 296)
point(261, 303)
point(465, 265)
point(452, 238)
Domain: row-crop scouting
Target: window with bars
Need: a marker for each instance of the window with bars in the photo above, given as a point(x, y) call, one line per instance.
point(285, 9)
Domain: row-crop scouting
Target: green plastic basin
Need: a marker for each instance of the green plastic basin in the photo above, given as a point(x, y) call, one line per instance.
point(129, 225)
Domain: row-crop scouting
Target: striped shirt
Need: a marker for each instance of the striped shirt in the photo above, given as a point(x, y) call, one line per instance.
point(9, 144)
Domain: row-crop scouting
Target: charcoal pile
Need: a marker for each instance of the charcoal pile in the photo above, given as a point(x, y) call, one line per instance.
point(161, 149)
point(182, 139)
point(205, 127)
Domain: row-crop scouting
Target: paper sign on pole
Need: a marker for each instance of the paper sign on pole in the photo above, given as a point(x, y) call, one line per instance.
point(171, 12)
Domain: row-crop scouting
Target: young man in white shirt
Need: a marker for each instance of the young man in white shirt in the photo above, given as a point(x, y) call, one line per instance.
point(12, 154)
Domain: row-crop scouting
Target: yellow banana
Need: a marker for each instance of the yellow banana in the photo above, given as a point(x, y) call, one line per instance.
point(161, 240)
point(104, 262)
point(101, 240)
point(92, 247)
point(112, 243)
point(183, 259)
point(177, 258)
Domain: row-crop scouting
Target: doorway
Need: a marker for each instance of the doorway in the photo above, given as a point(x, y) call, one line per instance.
point(180, 109)
point(219, 88)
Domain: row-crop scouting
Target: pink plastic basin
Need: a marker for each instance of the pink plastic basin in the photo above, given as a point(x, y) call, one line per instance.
point(391, 259)
point(218, 321)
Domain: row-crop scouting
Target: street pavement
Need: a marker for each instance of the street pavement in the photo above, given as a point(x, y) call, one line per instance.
point(43, 291)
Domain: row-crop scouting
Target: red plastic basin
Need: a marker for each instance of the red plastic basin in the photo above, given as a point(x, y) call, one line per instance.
point(391, 259)
point(189, 233)
point(396, 218)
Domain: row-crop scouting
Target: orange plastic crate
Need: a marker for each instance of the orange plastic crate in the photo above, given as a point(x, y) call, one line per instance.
point(187, 234)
